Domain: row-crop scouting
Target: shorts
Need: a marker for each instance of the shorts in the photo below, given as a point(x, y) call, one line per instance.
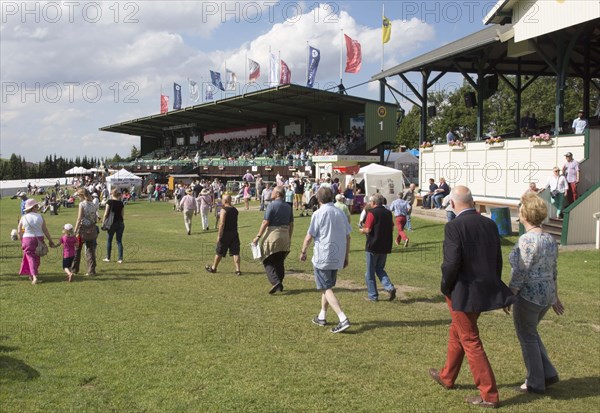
point(68, 261)
point(229, 241)
point(325, 279)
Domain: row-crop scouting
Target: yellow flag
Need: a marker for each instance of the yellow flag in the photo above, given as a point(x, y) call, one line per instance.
point(386, 30)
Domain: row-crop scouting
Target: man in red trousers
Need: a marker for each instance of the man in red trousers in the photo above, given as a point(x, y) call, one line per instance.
point(472, 284)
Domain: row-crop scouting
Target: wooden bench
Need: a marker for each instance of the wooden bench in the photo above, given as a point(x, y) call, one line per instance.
point(482, 204)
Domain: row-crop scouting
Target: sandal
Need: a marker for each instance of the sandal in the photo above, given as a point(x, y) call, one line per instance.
point(210, 269)
point(238, 273)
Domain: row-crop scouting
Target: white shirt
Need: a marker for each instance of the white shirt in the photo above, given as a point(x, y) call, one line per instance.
point(32, 223)
point(329, 228)
point(580, 125)
point(557, 183)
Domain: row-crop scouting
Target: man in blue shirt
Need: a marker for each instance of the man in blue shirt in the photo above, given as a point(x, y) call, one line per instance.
point(330, 229)
point(401, 208)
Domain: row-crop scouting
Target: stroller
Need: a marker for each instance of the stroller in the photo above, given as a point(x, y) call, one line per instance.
point(310, 207)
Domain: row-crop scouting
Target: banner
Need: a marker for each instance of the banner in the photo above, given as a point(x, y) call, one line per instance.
point(164, 103)
point(353, 55)
point(177, 96)
point(209, 92)
point(215, 77)
point(231, 80)
point(273, 70)
point(313, 65)
point(386, 30)
point(254, 68)
point(194, 91)
point(286, 74)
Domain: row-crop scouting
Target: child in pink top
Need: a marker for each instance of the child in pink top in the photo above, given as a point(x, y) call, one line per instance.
point(68, 241)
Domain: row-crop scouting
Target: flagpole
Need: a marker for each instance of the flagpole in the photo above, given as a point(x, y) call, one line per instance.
point(341, 53)
point(246, 70)
point(382, 43)
point(189, 94)
point(307, 59)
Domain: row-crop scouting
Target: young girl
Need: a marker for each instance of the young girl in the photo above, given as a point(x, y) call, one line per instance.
point(68, 240)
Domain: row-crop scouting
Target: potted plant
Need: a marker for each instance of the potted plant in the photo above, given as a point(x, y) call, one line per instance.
point(426, 146)
point(496, 142)
point(543, 139)
point(456, 145)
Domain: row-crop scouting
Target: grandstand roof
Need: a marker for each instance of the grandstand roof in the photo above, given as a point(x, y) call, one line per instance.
point(281, 104)
point(461, 55)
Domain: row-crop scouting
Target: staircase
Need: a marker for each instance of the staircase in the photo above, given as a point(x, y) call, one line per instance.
point(554, 227)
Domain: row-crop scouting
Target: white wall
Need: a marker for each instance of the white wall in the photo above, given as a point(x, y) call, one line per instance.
point(500, 172)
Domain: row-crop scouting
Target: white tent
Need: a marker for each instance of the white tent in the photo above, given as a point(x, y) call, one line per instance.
point(387, 181)
point(123, 179)
point(405, 162)
point(78, 170)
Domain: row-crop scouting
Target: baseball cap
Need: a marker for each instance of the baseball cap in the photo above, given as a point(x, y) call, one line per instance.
point(569, 154)
point(68, 227)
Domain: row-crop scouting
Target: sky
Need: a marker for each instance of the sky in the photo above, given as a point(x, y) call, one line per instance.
point(69, 68)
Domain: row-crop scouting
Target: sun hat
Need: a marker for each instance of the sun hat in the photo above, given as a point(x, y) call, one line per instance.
point(188, 191)
point(29, 204)
point(339, 197)
point(68, 227)
point(204, 192)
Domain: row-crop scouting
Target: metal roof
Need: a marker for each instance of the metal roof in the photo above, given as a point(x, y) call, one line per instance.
point(280, 104)
point(463, 54)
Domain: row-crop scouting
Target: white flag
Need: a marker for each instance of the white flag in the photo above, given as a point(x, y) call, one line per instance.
point(273, 70)
point(194, 91)
point(231, 80)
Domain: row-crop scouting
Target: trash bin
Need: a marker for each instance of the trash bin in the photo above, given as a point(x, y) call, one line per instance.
point(501, 216)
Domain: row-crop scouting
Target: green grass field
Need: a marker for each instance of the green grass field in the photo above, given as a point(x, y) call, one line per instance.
point(159, 334)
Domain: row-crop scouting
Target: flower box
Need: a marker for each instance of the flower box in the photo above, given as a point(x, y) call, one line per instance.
point(457, 147)
point(495, 145)
point(427, 149)
point(542, 143)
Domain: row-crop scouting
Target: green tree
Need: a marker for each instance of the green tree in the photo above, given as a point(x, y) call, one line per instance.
point(135, 152)
point(408, 131)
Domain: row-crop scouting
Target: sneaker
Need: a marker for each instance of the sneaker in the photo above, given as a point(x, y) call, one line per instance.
point(106, 260)
point(392, 294)
point(342, 325)
point(406, 243)
point(120, 262)
point(319, 322)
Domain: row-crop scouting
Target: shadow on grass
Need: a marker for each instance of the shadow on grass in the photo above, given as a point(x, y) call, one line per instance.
point(573, 388)
point(371, 325)
point(436, 299)
point(12, 369)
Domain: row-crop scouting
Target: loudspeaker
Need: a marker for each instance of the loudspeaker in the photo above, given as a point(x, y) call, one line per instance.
point(470, 99)
point(490, 85)
point(431, 111)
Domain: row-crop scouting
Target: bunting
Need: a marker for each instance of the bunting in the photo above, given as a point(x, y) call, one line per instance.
point(254, 68)
point(353, 55)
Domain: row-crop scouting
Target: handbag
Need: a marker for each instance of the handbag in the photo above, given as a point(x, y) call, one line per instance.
point(88, 232)
point(41, 249)
point(554, 193)
point(256, 252)
point(108, 221)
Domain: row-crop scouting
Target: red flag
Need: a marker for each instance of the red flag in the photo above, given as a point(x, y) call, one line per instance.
point(164, 103)
point(254, 70)
point(286, 75)
point(353, 55)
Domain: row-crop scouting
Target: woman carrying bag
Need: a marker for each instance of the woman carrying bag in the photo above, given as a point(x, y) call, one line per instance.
point(116, 226)
point(87, 232)
point(31, 230)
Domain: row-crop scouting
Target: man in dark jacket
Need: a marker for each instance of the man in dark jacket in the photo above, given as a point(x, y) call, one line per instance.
point(379, 228)
point(472, 284)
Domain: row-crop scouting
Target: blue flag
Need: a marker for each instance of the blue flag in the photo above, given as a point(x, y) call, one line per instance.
point(177, 94)
point(313, 64)
point(216, 80)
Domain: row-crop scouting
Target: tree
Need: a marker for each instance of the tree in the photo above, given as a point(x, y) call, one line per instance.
point(135, 152)
point(408, 131)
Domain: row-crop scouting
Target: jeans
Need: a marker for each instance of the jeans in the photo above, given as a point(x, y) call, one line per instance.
point(437, 200)
point(376, 265)
point(558, 202)
point(450, 215)
point(118, 229)
point(527, 316)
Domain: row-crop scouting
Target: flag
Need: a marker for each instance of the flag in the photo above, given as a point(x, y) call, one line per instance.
point(197, 157)
point(286, 74)
point(353, 55)
point(386, 30)
point(194, 91)
point(208, 93)
point(313, 65)
point(177, 98)
point(164, 103)
point(231, 80)
point(273, 70)
point(216, 79)
point(254, 70)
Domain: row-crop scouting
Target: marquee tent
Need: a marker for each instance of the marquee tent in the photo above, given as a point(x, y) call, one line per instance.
point(77, 170)
point(123, 179)
point(377, 178)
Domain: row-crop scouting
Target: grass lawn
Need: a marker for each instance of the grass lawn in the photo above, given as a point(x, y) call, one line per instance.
point(159, 334)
